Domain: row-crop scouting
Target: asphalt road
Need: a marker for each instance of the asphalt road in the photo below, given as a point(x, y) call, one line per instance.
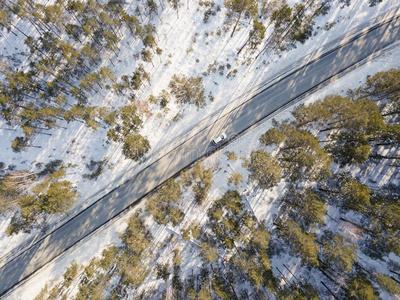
point(249, 113)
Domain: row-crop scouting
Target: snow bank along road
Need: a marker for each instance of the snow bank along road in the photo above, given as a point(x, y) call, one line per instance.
point(280, 93)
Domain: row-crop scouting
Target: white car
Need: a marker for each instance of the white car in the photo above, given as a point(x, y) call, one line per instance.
point(219, 138)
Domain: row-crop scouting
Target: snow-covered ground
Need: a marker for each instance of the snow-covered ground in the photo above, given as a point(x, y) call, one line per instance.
point(189, 47)
point(261, 202)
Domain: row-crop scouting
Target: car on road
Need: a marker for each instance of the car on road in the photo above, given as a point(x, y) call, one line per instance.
point(219, 138)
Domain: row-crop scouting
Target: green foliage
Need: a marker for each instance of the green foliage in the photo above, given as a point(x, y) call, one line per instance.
point(301, 243)
point(188, 90)
point(388, 284)
point(350, 148)
point(238, 9)
point(49, 197)
point(194, 229)
point(176, 281)
point(136, 244)
point(227, 218)
point(163, 271)
point(149, 41)
point(300, 154)
point(272, 137)
point(305, 207)
point(205, 293)
point(351, 125)
point(70, 274)
point(19, 144)
point(59, 197)
point(135, 146)
point(126, 125)
point(200, 179)
point(109, 257)
point(163, 204)
point(43, 293)
point(383, 218)
point(339, 252)
point(136, 237)
point(359, 287)
point(96, 168)
point(257, 34)
point(208, 253)
point(221, 287)
point(291, 24)
point(264, 169)
point(385, 84)
point(235, 178)
point(231, 155)
point(356, 195)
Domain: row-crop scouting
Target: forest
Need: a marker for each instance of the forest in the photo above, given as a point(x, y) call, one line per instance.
point(68, 69)
point(67, 66)
point(309, 154)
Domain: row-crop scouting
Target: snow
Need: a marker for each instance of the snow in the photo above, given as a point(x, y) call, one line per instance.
point(78, 144)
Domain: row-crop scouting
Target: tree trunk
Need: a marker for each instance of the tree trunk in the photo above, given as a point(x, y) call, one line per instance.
point(248, 39)
point(236, 24)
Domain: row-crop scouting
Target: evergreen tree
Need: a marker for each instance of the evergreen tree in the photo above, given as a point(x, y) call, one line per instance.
point(208, 253)
point(162, 205)
point(238, 9)
point(51, 196)
point(256, 36)
point(300, 154)
point(264, 169)
point(302, 244)
point(388, 284)
point(201, 179)
point(135, 147)
point(338, 252)
point(70, 274)
point(188, 90)
point(356, 195)
point(235, 178)
point(385, 84)
point(175, 5)
point(305, 207)
point(359, 287)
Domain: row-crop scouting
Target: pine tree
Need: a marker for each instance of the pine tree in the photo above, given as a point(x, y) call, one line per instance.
point(235, 178)
point(384, 84)
point(305, 207)
point(70, 274)
point(256, 36)
point(302, 244)
point(188, 90)
point(149, 41)
point(339, 252)
point(264, 169)
point(300, 154)
point(19, 144)
point(162, 205)
point(59, 197)
point(356, 195)
point(175, 5)
point(135, 147)
point(50, 196)
point(238, 9)
point(208, 253)
point(388, 284)
point(359, 287)
point(147, 56)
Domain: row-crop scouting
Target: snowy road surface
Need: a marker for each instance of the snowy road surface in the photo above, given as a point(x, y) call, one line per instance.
point(249, 113)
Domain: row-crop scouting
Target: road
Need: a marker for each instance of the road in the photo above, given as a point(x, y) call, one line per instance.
point(260, 106)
